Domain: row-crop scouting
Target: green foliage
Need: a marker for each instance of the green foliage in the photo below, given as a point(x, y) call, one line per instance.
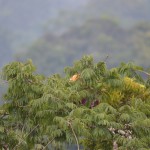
point(90, 105)
point(23, 86)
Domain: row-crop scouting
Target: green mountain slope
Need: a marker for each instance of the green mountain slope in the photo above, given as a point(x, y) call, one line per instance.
point(99, 37)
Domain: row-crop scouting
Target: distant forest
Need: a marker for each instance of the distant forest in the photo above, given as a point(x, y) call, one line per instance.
point(99, 37)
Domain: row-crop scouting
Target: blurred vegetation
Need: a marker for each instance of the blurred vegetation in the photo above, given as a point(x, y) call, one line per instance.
point(99, 37)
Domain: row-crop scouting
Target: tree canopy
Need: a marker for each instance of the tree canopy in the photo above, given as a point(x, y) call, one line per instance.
point(90, 106)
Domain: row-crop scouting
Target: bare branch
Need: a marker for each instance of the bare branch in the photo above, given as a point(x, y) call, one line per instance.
point(69, 123)
point(26, 136)
point(144, 72)
point(48, 143)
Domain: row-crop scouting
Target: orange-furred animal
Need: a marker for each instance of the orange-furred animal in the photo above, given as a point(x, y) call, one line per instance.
point(74, 77)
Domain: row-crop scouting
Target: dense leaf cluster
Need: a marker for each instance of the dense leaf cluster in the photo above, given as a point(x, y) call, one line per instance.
point(90, 106)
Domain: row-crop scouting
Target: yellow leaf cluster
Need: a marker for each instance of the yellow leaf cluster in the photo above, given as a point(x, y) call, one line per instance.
point(130, 83)
point(116, 96)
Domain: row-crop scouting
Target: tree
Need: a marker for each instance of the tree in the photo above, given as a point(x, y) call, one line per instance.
point(90, 106)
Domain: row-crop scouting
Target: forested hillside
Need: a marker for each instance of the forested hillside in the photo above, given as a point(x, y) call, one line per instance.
point(100, 37)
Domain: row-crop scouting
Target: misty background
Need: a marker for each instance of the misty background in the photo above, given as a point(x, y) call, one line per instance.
point(55, 33)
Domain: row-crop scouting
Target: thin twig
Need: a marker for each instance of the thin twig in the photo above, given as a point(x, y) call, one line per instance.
point(48, 143)
point(144, 72)
point(69, 123)
point(26, 136)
